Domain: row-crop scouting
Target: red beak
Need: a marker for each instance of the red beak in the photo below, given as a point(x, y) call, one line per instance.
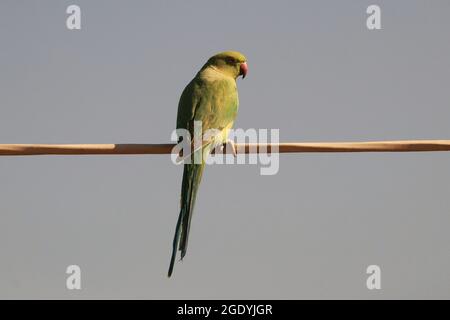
point(243, 70)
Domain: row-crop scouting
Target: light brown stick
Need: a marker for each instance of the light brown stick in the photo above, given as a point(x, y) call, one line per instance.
point(117, 149)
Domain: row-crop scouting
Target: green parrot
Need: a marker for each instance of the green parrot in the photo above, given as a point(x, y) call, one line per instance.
point(212, 98)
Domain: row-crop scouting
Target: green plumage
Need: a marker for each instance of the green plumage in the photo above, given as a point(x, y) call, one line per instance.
point(211, 97)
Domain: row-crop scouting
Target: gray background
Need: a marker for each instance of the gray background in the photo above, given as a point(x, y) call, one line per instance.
point(315, 72)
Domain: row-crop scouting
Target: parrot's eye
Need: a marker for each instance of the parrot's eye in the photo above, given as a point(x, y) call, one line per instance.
point(230, 60)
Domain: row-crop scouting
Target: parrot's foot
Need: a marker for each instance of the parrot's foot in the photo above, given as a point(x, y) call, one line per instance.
point(230, 145)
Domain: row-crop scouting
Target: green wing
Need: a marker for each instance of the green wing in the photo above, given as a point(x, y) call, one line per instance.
point(214, 102)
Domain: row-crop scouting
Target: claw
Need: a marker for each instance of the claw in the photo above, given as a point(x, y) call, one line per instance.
point(229, 144)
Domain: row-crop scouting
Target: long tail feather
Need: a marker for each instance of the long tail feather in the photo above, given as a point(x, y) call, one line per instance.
point(175, 245)
point(192, 176)
point(196, 172)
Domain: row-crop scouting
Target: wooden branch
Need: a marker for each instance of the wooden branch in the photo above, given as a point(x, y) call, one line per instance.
point(117, 149)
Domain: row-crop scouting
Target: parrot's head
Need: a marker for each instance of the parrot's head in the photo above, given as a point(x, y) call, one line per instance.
point(232, 63)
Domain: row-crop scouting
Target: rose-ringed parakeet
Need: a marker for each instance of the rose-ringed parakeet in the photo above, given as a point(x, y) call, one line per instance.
point(212, 98)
